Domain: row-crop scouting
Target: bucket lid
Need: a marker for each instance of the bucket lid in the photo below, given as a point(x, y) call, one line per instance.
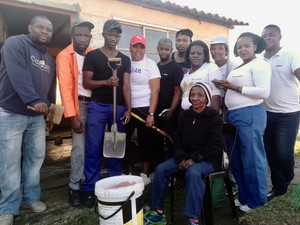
point(118, 188)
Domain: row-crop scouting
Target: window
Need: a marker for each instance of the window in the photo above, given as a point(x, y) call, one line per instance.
point(152, 34)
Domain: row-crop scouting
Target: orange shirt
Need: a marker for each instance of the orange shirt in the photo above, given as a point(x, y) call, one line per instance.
point(67, 73)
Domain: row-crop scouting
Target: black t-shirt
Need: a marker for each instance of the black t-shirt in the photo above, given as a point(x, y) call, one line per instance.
point(96, 62)
point(185, 66)
point(171, 76)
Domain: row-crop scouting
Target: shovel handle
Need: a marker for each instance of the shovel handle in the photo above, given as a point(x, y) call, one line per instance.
point(155, 128)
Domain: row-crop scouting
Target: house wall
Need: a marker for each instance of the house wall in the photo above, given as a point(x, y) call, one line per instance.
point(98, 11)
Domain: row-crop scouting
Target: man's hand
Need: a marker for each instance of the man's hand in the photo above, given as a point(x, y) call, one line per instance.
point(41, 108)
point(77, 125)
point(113, 81)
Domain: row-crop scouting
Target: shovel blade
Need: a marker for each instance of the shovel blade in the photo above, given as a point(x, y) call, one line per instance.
point(114, 145)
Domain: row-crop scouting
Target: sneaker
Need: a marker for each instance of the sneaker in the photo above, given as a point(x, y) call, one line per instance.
point(237, 203)
point(74, 197)
point(152, 217)
point(37, 207)
point(6, 219)
point(192, 223)
point(146, 179)
point(89, 199)
point(245, 208)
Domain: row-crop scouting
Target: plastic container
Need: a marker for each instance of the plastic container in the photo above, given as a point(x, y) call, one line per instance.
point(120, 200)
point(219, 198)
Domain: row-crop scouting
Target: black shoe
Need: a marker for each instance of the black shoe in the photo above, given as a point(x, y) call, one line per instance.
point(74, 197)
point(274, 193)
point(89, 199)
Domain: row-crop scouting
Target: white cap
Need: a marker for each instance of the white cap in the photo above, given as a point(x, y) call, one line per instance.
point(219, 40)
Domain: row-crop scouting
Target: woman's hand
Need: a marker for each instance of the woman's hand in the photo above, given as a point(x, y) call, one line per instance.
point(149, 121)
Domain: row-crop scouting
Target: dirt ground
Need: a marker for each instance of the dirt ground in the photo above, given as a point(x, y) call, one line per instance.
point(54, 181)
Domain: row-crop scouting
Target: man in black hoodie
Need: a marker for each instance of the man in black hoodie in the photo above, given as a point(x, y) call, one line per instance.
point(26, 79)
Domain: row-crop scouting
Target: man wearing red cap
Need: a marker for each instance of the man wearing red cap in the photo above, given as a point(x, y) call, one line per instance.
point(145, 84)
point(97, 76)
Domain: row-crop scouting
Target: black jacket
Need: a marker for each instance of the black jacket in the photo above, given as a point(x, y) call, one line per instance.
point(199, 137)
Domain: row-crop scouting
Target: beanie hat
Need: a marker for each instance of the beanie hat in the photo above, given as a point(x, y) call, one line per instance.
point(207, 91)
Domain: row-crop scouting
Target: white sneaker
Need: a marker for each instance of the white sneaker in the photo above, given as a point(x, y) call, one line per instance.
point(245, 208)
point(237, 203)
point(146, 179)
point(6, 219)
point(37, 207)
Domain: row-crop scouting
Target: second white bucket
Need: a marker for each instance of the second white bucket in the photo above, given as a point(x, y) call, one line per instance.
point(120, 200)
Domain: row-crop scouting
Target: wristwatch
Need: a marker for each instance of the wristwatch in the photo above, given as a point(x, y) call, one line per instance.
point(150, 113)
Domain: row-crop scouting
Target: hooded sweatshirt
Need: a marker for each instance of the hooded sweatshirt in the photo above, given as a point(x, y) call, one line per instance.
point(199, 137)
point(26, 75)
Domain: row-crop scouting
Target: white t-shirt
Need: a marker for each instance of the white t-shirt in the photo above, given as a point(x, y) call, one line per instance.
point(231, 66)
point(81, 90)
point(255, 78)
point(141, 73)
point(284, 95)
point(206, 73)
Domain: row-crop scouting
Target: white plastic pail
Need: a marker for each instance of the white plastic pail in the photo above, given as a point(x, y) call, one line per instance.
point(120, 200)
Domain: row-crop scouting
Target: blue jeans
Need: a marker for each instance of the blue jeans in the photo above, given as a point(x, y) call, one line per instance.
point(248, 160)
point(280, 137)
point(195, 185)
point(78, 148)
point(20, 134)
point(99, 115)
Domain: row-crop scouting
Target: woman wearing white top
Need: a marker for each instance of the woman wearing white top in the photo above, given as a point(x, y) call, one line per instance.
point(247, 86)
point(202, 70)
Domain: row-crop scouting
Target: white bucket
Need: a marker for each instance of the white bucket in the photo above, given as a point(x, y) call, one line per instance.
point(120, 200)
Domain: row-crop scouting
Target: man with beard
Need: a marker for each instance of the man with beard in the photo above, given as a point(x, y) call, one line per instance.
point(283, 110)
point(183, 40)
point(27, 78)
point(75, 99)
point(97, 76)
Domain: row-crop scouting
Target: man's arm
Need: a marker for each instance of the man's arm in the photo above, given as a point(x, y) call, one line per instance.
point(89, 83)
point(297, 73)
point(15, 57)
point(66, 84)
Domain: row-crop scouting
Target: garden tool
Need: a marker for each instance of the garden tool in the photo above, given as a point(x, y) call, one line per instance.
point(55, 115)
point(114, 141)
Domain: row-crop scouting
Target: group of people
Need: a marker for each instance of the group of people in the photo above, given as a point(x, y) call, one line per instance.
point(184, 94)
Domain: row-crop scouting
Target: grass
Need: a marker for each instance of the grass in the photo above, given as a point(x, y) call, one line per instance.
point(281, 210)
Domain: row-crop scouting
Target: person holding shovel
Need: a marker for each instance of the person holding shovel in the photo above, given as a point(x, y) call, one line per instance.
point(97, 76)
point(75, 99)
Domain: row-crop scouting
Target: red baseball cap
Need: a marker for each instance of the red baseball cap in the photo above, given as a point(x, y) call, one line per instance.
point(138, 39)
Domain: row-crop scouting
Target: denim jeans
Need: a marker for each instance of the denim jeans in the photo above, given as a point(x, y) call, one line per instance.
point(20, 134)
point(99, 115)
point(195, 185)
point(78, 149)
point(280, 137)
point(248, 160)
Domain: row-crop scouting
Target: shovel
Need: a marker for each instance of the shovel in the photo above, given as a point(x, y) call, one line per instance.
point(114, 142)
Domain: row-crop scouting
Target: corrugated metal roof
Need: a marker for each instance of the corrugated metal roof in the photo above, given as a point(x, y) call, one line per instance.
point(187, 12)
